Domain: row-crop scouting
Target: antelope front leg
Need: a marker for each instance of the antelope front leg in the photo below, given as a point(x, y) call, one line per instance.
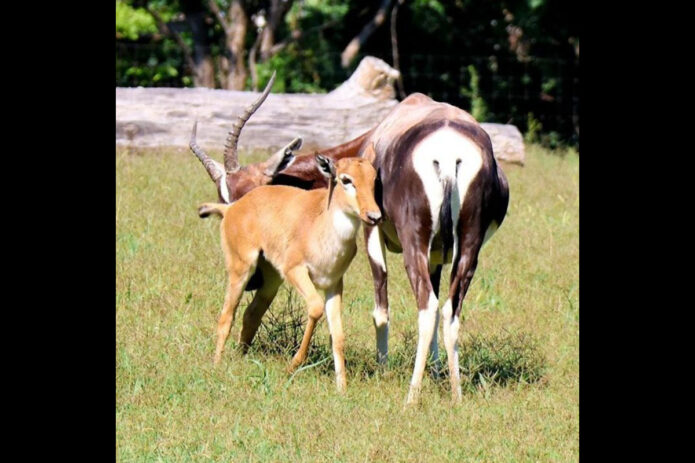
point(299, 278)
point(374, 240)
point(335, 327)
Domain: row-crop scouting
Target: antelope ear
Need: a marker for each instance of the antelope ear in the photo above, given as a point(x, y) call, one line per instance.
point(326, 166)
point(369, 153)
point(282, 158)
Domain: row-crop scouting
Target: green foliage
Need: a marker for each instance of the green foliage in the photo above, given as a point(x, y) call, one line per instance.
point(534, 126)
point(332, 9)
point(133, 22)
point(296, 71)
point(443, 46)
point(502, 359)
point(156, 65)
point(478, 106)
point(429, 14)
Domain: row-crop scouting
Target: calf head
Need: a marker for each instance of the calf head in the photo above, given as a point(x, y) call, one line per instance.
point(352, 185)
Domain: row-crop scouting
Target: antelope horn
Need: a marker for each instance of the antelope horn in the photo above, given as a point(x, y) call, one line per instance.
point(231, 159)
point(214, 168)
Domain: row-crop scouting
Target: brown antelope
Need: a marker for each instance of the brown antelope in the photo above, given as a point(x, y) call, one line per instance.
point(304, 237)
point(442, 196)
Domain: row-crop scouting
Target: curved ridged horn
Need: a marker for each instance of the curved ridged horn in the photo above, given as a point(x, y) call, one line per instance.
point(214, 168)
point(231, 159)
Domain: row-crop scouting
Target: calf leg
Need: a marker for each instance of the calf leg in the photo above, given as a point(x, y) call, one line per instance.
point(299, 278)
point(335, 327)
point(239, 274)
point(374, 241)
point(261, 301)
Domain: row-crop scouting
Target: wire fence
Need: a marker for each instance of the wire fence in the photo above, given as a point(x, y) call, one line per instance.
point(540, 96)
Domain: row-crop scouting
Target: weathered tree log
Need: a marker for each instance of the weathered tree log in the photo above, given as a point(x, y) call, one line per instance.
point(164, 116)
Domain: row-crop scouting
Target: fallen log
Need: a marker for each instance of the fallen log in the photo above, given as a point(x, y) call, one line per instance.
point(148, 117)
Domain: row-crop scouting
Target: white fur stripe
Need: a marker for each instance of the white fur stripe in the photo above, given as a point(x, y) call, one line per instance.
point(345, 225)
point(223, 188)
point(450, 330)
point(426, 326)
point(375, 248)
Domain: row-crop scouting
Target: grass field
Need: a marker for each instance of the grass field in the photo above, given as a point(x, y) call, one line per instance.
point(520, 339)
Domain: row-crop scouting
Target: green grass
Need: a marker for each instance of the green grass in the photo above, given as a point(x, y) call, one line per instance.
point(520, 339)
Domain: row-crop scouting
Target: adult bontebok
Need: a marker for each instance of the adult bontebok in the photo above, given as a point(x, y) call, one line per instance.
point(442, 196)
point(304, 237)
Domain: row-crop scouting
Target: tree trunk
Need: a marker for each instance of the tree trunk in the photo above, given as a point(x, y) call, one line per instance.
point(204, 70)
point(355, 44)
point(236, 44)
point(278, 8)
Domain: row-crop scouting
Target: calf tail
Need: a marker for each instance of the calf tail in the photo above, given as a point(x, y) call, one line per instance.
point(217, 209)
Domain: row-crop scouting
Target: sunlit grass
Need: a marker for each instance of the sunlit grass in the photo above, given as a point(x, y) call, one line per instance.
point(521, 314)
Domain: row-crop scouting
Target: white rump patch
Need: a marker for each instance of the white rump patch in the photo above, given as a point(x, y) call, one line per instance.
point(446, 146)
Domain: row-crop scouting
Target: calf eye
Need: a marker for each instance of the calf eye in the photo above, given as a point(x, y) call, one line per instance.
point(345, 180)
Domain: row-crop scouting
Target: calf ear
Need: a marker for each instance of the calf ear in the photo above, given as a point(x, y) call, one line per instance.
point(326, 166)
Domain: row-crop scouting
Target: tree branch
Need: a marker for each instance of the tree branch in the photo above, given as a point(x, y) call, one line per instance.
point(165, 30)
point(296, 35)
point(252, 58)
point(353, 47)
point(278, 9)
point(220, 17)
point(394, 49)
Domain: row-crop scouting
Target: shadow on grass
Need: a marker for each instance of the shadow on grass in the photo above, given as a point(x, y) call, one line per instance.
point(486, 361)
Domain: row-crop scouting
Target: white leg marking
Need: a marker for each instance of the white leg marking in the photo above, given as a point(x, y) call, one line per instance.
point(450, 329)
point(381, 324)
point(375, 248)
point(375, 251)
point(335, 327)
point(426, 324)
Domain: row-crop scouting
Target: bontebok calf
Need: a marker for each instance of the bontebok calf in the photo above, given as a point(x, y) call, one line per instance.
point(304, 237)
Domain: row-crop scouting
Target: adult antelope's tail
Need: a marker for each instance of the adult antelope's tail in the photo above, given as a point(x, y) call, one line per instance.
point(218, 209)
point(446, 224)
